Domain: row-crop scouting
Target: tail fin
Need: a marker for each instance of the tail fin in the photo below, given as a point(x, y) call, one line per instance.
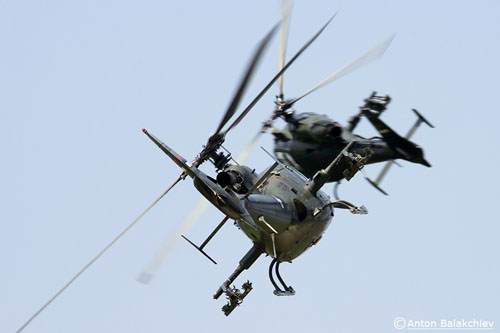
point(420, 120)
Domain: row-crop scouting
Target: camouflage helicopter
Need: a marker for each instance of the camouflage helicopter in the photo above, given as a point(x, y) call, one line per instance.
point(280, 210)
point(310, 141)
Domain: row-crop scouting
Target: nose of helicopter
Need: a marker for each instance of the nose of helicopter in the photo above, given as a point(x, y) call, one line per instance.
point(424, 162)
point(270, 211)
point(419, 157)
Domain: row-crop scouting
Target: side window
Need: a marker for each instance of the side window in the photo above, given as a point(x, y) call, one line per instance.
point(301, 209)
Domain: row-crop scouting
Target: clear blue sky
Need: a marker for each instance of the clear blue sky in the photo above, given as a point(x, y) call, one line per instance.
point(79, 79)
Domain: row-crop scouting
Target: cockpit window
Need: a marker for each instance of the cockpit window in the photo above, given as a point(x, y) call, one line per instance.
point(295, 171)
point(301, 209)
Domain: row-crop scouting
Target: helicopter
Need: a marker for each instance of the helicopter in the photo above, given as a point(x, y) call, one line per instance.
point(310, 141)
point(280, 210)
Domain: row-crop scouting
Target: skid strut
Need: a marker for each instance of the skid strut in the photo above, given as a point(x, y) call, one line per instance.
point(288, 290)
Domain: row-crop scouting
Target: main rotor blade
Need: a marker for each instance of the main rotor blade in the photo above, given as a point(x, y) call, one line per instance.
point(154, 265)
point(366, 58)
point(244, 153)
point(182, 176)
point(286, 6)
point(266, 88)
point(246, 78)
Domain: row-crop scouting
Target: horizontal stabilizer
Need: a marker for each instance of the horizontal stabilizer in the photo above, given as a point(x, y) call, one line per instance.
point(414, 128)
point(422, 118)
point(199, 249)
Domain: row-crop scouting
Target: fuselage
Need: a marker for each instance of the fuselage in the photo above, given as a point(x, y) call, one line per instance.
point(284, 211)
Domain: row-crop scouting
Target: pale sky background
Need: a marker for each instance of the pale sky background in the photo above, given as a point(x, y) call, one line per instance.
point(78, 81)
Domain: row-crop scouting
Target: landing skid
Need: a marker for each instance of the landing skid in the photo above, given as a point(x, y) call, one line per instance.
point(288, 290)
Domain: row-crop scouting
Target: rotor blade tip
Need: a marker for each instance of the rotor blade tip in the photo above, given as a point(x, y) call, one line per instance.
point(391, 38)
point(333, 16)
point(145, 278)
point(144, 130)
